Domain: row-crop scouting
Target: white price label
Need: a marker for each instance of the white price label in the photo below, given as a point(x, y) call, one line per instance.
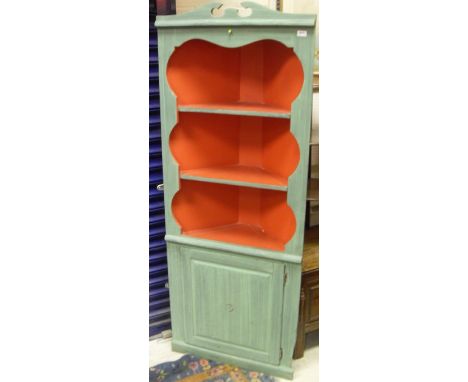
point(301, 33)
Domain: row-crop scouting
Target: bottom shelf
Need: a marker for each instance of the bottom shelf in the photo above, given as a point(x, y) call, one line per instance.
point(243, 234)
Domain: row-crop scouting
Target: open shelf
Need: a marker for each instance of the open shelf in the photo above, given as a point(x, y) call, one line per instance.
point(242, 234)
point(238, 108)
point(237, 175)
point(233, 214)
point(236, 150)
point(261, 79)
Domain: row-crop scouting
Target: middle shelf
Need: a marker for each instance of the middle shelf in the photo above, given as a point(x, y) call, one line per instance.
point(237, 175)
point(238, 108)
point(238, 150)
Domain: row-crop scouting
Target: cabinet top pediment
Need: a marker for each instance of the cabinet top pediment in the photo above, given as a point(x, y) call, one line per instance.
point(246, 13)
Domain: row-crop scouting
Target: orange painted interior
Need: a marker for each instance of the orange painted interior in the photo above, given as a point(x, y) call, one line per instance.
point(262, 76)
point(252, 149)
point(265, 73)
point(239, 215)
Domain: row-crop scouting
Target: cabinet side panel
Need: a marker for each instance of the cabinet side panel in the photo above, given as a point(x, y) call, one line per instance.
point(290, 312)
point(301, 118)
point(176, 290)
point(168, 101)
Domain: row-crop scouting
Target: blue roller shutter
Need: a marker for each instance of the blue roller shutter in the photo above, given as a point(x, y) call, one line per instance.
point(159, 313)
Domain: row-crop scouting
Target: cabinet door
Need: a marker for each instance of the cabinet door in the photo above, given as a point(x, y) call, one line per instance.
point(233, 304)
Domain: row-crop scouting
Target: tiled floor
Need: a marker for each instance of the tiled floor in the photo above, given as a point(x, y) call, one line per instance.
point(305, 369)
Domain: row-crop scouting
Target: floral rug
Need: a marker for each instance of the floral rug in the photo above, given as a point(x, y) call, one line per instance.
point(190, 368)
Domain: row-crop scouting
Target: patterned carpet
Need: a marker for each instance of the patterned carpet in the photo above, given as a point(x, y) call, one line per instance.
point(190, 368)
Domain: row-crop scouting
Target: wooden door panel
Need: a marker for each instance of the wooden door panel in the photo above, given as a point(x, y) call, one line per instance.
point(234, 304)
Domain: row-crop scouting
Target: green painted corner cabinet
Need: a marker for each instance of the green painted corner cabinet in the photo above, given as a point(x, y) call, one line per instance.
point(236, 105)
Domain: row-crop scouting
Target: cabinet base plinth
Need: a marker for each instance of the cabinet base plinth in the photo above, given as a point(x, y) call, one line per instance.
point(280, 371)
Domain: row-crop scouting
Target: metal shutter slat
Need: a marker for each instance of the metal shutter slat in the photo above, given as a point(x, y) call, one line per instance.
point(158, 270)
point(155, 134)
point(157, 245)
point(159, 304)
point(160, 314)
point(154, 103)
point(157, 258)
point(155, 119)
point(157, 218)
point(157, 230)
point(156, 204)
point(155, 149)
point(156, 178)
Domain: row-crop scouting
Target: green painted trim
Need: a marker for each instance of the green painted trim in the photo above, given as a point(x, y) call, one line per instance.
point(278, 371)
point(252, 113)
point(238, 249)
point(234, 182)
point(301, 120)
point(168, 120)
point(260, 16)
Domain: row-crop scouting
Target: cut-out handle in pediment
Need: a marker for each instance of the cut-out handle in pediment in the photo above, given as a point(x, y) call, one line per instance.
point(235, 7)
point(234, 13)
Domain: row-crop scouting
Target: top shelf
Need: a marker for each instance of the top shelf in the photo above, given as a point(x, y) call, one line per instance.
point(238, 108)
point(260, 79)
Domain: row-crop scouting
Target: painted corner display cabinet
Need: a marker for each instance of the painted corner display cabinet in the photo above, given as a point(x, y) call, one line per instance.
point(236, 103)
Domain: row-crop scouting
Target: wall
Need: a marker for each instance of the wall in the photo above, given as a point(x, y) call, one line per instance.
point(183, 6)
point(300, 6)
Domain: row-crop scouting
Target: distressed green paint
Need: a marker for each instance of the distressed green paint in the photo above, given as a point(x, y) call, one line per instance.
point(233, 248)
point(176, 291)
point(290, 312)
point(197, 266)
point(260, 16)
point(234, 304)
